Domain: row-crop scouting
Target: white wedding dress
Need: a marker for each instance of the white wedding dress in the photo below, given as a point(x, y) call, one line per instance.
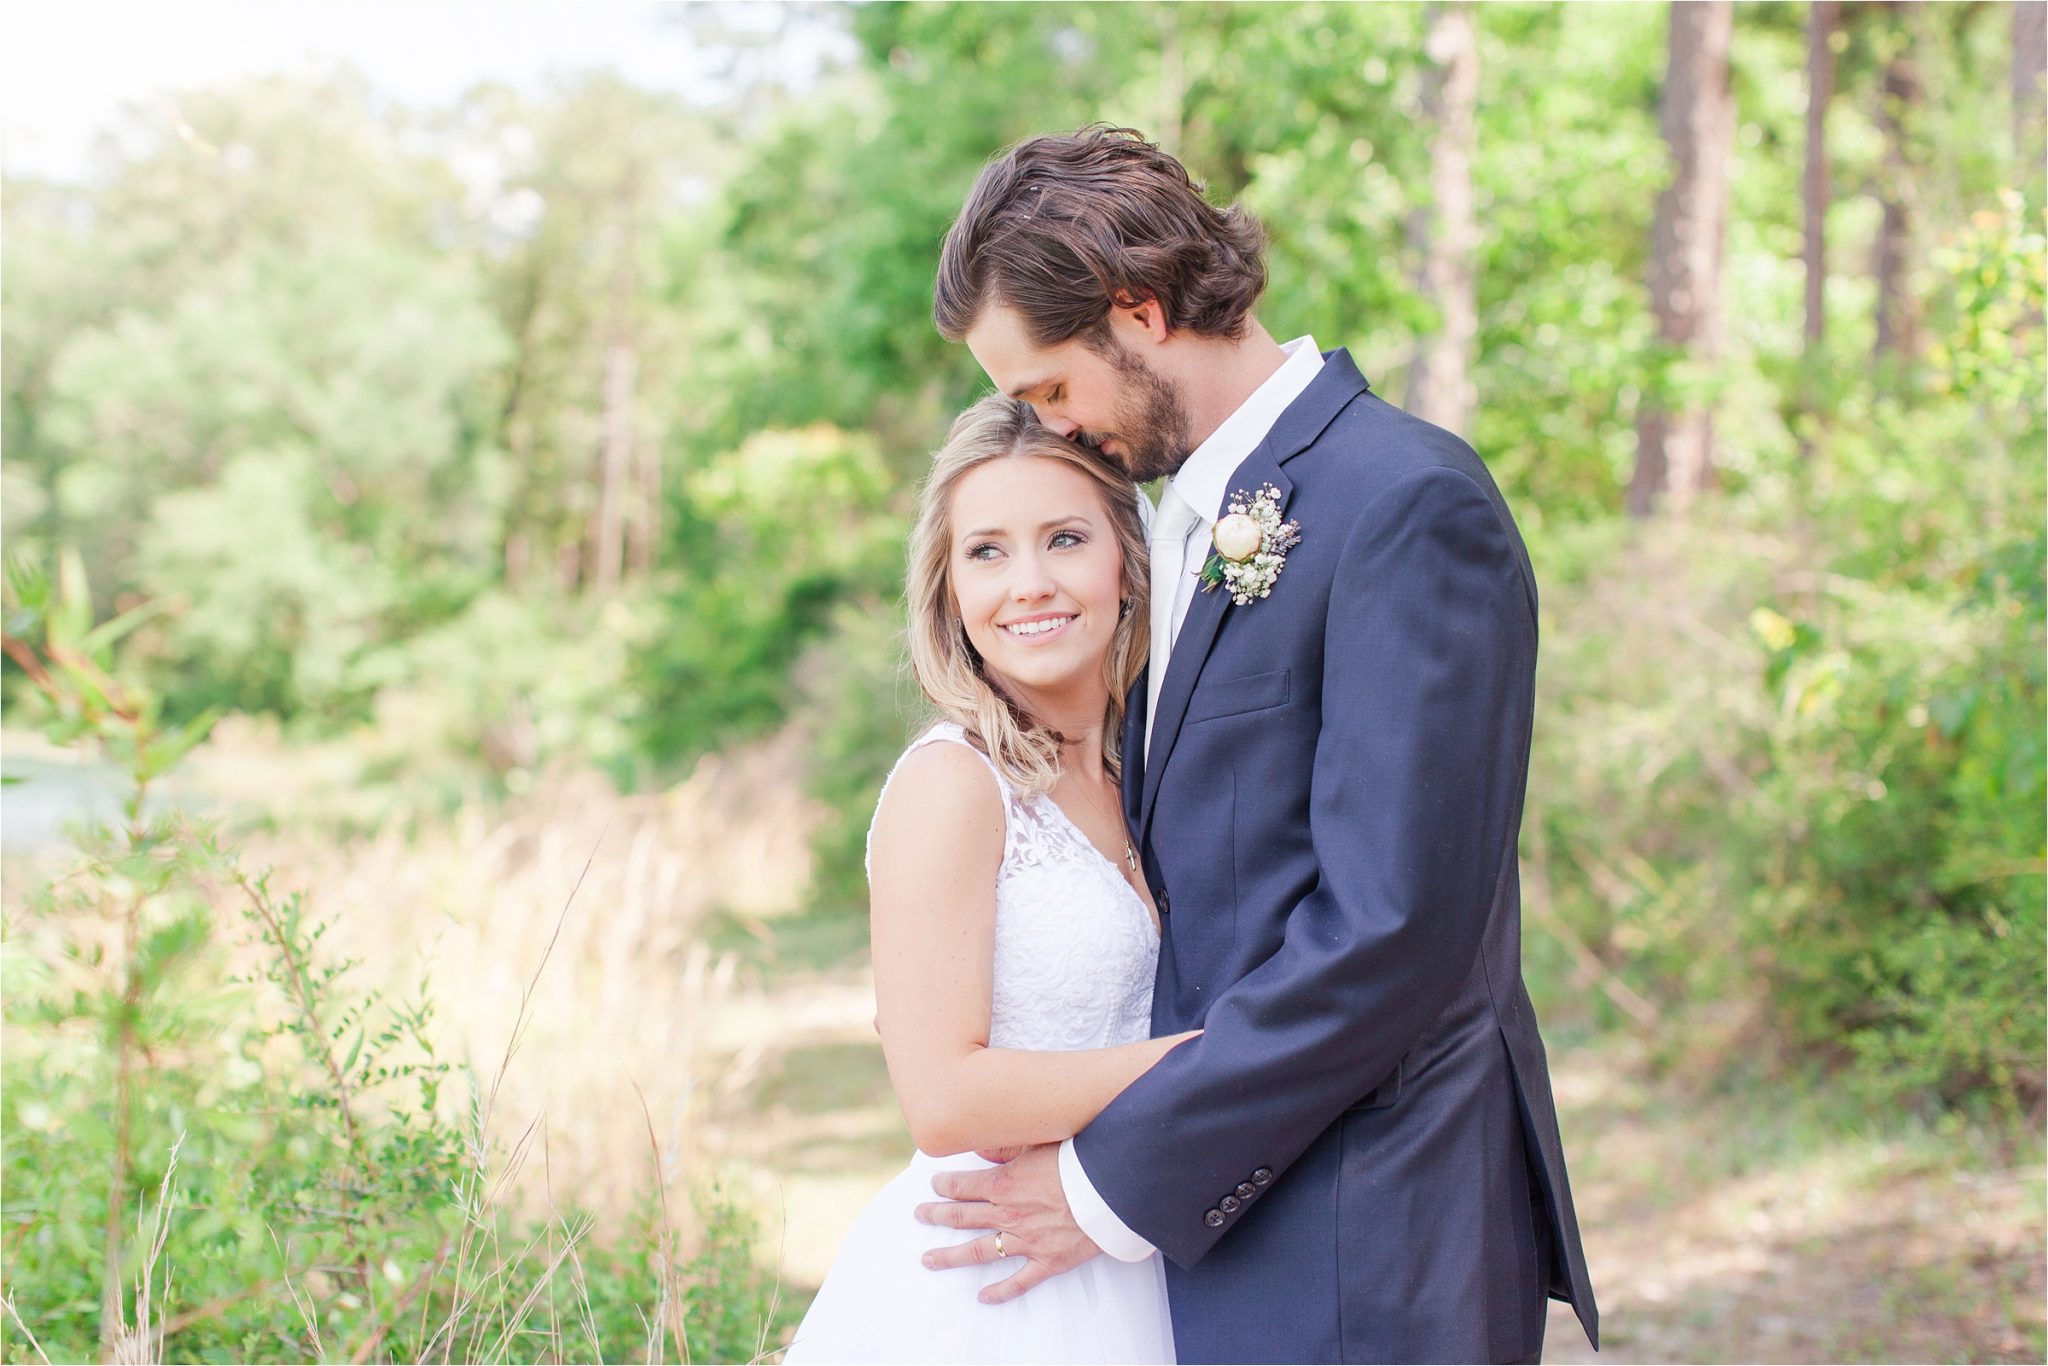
point(1074, 957)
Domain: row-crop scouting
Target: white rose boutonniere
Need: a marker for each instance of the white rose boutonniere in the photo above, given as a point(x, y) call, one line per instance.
point(1237, 538)
point(1251, 546)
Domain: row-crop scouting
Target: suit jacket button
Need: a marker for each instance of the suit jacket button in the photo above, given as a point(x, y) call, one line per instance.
point(1228, 1204)
point(1246, 1190)
point(1214, 1218)
point(1262, 1177)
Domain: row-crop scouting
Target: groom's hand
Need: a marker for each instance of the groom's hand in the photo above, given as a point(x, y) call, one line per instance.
point(1024, 1199)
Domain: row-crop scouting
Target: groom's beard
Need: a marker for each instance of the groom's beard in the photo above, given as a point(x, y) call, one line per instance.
point(1151, 426)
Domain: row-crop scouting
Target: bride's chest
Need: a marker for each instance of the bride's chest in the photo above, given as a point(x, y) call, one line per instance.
point(1075, 947)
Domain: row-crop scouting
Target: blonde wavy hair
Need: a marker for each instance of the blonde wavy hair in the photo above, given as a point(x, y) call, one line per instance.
point(947, 666)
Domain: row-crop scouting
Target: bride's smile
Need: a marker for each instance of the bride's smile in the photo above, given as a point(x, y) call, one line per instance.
point(1037, 628)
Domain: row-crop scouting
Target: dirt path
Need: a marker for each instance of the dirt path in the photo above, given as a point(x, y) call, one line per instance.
point(806, 1106)
point(1743, 1226)
point(1754, 1226)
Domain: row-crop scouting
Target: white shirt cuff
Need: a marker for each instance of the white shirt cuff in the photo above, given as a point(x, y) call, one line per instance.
point(1093, 1213)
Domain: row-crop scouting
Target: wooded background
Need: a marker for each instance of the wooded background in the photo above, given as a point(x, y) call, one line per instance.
point(478, 449)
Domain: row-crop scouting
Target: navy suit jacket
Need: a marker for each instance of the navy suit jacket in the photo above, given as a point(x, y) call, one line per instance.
point(1359, 1159)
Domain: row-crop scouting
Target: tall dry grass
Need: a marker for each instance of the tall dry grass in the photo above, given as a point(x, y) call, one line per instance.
point(634, 1001)
point(471, 911)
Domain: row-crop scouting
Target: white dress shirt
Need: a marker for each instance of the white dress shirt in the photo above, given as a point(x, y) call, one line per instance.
point(1202, 482)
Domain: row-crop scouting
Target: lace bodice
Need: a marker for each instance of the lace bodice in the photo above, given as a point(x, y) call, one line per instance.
point(1075, 945)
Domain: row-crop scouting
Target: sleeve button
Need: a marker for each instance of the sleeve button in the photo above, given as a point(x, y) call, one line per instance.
point(1246, 1190)
point(1228, 1204)
point(1262, 1177)
point(1214, 1218)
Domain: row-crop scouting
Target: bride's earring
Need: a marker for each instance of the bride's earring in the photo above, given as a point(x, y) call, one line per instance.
point(1123, 609)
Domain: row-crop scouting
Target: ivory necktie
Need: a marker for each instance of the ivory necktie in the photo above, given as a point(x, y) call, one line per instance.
point(1168, 544)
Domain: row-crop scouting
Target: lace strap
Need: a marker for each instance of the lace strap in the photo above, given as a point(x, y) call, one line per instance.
point(944, 731)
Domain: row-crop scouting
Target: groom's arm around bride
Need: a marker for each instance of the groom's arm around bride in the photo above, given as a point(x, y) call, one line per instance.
point(1359, 1158)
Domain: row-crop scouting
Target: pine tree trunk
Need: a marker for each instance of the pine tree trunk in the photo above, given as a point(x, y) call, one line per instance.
point(568, 564)
point(513, 423)
point(621, 365)
point(643, 533)
point(1173, 82)
point(1814, 186)
point(2029, 66)
point(607, 540)
point(1442, 236)
point(1816, 193)
point(1898, 313)
point(1675, 448)
point(518, 557)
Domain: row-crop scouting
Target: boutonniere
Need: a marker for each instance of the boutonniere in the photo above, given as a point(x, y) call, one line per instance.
point(1251, 546)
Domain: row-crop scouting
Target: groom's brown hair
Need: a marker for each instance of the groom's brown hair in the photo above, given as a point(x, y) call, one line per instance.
point(1063, 228)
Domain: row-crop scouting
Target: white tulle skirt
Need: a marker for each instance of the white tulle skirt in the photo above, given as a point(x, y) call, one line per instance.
point(880, 1304)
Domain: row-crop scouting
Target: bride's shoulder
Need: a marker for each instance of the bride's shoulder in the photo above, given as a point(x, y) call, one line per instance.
point(943, 766)
point(940, 797)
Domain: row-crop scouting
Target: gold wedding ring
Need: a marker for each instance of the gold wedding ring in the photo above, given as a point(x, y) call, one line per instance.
point(1000, 1254)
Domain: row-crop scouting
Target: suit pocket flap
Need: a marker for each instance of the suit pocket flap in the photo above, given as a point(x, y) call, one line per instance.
point(1383, 1095)
point(1235, 696)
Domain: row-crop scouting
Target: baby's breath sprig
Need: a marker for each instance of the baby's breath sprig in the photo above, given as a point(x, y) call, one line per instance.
point(1251, 546)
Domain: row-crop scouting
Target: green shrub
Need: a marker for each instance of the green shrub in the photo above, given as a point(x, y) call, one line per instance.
point(1896, 875)
point(775, 536)
point(1790, 754)
point(859, 705)
point(206, 1167)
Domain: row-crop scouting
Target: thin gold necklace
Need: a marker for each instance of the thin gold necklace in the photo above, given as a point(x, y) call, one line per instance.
point(1130, 854)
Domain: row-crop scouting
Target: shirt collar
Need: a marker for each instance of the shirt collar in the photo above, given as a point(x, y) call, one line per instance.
point(1205, 478)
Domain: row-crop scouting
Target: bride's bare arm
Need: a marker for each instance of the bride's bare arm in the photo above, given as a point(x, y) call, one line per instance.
point(938, 841)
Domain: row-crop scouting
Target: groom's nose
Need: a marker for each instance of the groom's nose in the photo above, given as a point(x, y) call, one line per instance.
point(1059, 423)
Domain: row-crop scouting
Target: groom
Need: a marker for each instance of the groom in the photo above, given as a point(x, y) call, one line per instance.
point(1358, 1160)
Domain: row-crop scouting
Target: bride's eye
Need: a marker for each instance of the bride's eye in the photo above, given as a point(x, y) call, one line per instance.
point(1066, 540)
point(987, 550)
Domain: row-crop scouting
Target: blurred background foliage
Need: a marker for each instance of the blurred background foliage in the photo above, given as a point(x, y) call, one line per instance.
point(572, 431)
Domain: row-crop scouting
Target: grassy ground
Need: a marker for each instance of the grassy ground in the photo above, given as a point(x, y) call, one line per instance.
point(1754, 1221)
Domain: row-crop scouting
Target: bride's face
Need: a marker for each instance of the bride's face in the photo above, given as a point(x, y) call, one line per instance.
point(1036, 573)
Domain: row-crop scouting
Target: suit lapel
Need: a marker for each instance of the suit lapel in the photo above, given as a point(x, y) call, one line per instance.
point(1335, 386)
point(1191, 647)
point(1133, 755)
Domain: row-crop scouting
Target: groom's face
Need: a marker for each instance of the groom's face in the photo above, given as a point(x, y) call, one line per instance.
point(1109, 398)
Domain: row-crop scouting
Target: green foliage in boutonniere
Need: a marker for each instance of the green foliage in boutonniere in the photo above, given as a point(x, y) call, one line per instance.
point(1251, 546)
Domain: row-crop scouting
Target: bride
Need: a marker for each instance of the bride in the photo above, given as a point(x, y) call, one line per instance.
point(1014, 938)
